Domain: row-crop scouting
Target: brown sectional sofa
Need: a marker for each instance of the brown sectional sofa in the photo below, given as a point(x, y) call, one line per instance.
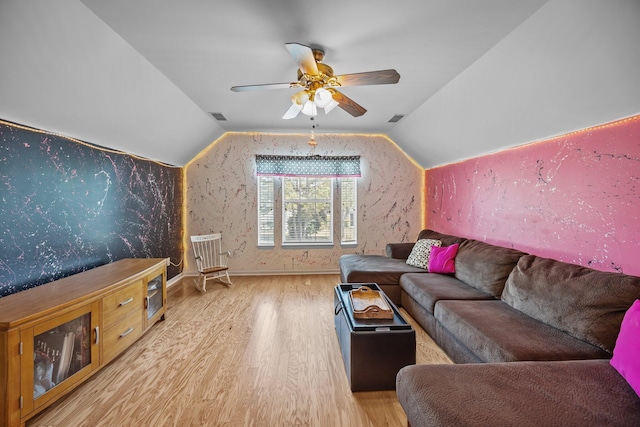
point(387, 270)
point(557, 322)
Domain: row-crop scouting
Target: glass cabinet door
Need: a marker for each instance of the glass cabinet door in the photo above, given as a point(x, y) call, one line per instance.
point(155, 297)
point(58, 353)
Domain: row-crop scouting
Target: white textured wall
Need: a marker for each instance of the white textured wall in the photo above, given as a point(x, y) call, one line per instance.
point(221, 197)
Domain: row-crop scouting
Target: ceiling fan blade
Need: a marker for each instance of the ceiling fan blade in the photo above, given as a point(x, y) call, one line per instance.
point(303, 55)
point(348, 104)
point(382, 77)
point(292, 112)
point(264, 86)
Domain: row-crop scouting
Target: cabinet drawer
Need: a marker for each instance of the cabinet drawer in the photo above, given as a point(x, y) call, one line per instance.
point(120, 304)
point(121, 335)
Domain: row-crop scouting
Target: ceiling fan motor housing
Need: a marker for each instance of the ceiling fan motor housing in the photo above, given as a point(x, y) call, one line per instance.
point(323, 69)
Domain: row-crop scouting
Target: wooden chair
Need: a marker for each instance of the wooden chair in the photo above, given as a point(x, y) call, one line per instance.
point(210, 259)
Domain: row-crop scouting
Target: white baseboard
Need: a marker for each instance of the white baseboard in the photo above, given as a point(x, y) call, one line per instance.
point(174, 280)
point(266, 273)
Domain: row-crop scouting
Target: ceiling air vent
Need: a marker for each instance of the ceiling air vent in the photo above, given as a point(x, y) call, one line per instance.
point(219, 117)
point(396, 118)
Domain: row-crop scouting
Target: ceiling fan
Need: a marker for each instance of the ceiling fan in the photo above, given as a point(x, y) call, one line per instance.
point(319, 84)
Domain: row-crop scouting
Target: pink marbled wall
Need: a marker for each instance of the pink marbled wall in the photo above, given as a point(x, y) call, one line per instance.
point(221, 196)
point(574, 198)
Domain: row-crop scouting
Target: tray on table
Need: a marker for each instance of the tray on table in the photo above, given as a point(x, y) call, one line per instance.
point(368, 303)
point(343, 302)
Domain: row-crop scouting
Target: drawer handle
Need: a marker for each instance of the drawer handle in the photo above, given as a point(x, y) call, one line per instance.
point(125, 333)
point(125, 302)
point(97, 329)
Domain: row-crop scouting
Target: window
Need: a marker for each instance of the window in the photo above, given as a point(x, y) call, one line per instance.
point(349, 211)
point(266, 211)
point(307, 210)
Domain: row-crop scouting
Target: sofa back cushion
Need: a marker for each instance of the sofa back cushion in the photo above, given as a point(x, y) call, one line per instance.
point(484, 266)
point(446, 239)
point(585, 303)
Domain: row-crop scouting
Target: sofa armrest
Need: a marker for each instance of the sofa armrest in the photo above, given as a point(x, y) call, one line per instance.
point(399, 250)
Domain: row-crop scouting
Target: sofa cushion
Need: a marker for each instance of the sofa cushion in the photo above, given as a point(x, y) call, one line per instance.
point(496, 332)
point(421, 253)
point(399, 250)
point(374, 269)
point(585, 303)
point(485, 266)
point(626, 354)
point(568, 393)
point(402, 250)
point(446, 239)
point(442, 259)
point(427, 289)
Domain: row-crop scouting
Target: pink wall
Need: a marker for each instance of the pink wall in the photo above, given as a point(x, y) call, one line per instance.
point(574, 198)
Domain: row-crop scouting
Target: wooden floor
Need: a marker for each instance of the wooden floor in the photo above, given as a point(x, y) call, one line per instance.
point(263, 352)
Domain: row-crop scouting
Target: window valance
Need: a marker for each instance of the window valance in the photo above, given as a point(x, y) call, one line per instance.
point(327, 166)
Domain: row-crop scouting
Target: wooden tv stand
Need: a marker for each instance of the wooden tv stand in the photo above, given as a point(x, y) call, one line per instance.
point(55, 336)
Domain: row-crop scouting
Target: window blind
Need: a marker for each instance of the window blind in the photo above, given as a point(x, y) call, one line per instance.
point(317, 166)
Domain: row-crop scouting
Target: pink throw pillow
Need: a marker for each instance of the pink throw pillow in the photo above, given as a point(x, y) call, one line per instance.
point(626, 353)
point(442, 259)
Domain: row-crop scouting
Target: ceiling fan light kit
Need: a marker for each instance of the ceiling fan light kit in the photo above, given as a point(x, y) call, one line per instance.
point(322, 98)
point(309, 108)
point(319, 84)
point(308, 101)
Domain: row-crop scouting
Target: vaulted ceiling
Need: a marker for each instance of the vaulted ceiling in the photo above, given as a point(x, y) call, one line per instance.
point(205, 47)
point(143, 76)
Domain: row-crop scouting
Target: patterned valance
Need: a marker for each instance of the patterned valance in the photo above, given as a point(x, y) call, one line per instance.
point(328, 166)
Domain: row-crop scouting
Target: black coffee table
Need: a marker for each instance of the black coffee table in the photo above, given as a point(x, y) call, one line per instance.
point(373, 350)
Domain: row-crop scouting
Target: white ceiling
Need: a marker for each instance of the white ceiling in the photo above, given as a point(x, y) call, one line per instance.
point(205, 47)
point(142, 76)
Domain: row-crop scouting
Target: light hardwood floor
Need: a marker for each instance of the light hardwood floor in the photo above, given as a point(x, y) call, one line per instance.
point(263, 352)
